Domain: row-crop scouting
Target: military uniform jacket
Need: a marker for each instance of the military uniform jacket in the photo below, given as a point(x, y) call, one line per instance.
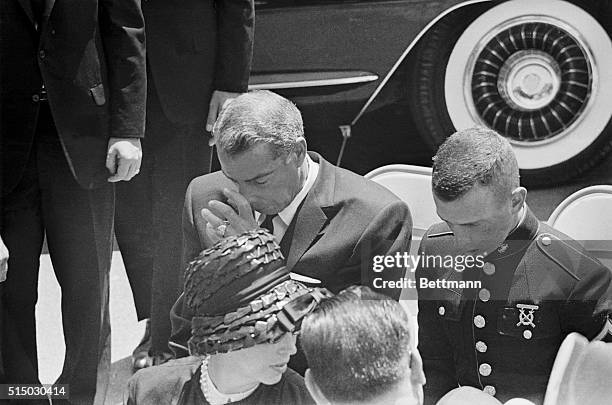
point(503, 336)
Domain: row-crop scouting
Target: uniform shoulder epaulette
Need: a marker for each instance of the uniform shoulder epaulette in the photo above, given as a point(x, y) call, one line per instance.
point(568, 256)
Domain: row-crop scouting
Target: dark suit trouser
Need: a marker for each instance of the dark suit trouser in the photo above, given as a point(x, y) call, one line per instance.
point(78, 224)
point(148, 215)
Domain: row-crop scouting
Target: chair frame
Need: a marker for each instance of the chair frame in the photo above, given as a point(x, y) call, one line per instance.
point(600, 188)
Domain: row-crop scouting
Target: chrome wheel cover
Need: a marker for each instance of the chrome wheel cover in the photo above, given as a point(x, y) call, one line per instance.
point(536, 72)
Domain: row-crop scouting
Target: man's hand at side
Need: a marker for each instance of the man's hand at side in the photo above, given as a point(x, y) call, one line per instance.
point(4, 257)
point(217, 102)
point(123, 158)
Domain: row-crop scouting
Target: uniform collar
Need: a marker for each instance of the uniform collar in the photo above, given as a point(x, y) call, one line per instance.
point(519, 238)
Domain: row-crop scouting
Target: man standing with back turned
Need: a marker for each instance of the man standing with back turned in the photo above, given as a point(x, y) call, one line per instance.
point(198, 57)
point(73, 86)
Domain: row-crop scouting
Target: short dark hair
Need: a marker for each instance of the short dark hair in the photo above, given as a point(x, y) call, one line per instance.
point(475, 155)
point(357, 344)
point(258, 117)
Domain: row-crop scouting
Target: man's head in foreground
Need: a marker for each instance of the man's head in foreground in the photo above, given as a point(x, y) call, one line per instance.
point(261, 147)
point(476, 188)
point(246, 311)
point(357, 344)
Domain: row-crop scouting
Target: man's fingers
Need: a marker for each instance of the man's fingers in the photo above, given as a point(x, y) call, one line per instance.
point(111, 162)
point(213, 110)
point(240, 203)
point(122, 171)
point(212, 233)
point(123, 158)
point(211, 218)
point(134, 170)
point(216, 228)
point(223, 210)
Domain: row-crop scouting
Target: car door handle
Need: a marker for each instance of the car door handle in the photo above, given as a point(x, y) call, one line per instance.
point(260, 3)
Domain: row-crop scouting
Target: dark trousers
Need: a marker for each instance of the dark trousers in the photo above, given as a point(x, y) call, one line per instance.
point(148, 215)
point(78, 225)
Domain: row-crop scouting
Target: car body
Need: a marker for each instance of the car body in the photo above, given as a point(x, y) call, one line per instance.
point(340, 60)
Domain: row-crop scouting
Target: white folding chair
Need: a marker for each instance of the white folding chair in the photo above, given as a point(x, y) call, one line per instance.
point(412, 184)
point(586, 216)
point(581, 373)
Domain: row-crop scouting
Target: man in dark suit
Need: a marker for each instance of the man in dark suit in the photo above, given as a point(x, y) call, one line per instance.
point(73, 86)
point(331, 222)
point(497, 323)
point(198, 56)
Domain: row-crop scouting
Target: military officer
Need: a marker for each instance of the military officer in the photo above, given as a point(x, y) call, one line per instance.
point(497, 324)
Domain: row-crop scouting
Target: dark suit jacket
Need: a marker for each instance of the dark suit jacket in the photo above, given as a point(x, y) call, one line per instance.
point(91, 56)
point(195, 47)
point(343, 223)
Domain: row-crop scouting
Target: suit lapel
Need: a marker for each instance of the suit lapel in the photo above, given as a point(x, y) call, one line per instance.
point(46, 13)
point(27, 7)
point(312, 216)
point(310, 219)
point(48, 8)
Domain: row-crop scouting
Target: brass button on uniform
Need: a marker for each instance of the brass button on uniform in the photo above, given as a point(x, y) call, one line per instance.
point(442, 311)
point(42, 54)
point(489, 389)
point(488, 268)
point(485, 369)
point(484, 295)
point(546, 241)
point(527, 334)
point(479, 321)
point(481, 346)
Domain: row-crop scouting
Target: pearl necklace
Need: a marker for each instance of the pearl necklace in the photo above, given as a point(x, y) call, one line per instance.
point(212, 394)
point(205, 379)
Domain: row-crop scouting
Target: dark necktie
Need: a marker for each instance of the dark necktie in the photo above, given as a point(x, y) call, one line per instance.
point(268, 224)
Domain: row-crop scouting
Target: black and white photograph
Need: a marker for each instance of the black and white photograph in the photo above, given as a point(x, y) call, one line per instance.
point(306, 202)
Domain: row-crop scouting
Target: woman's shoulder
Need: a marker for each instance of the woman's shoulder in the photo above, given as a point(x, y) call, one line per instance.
point(290, 390)
point(151, 384)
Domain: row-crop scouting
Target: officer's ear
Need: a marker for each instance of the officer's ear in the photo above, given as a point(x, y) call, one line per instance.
point(519, 196)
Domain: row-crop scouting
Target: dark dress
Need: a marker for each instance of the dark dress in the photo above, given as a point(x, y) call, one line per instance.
point(178, 382)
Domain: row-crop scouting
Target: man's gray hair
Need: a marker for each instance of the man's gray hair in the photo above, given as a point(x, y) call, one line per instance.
point(258, 117)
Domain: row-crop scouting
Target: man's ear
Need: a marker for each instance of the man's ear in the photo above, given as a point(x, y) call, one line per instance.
point(300, 149)
point(519, 195)
point(314, 390)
